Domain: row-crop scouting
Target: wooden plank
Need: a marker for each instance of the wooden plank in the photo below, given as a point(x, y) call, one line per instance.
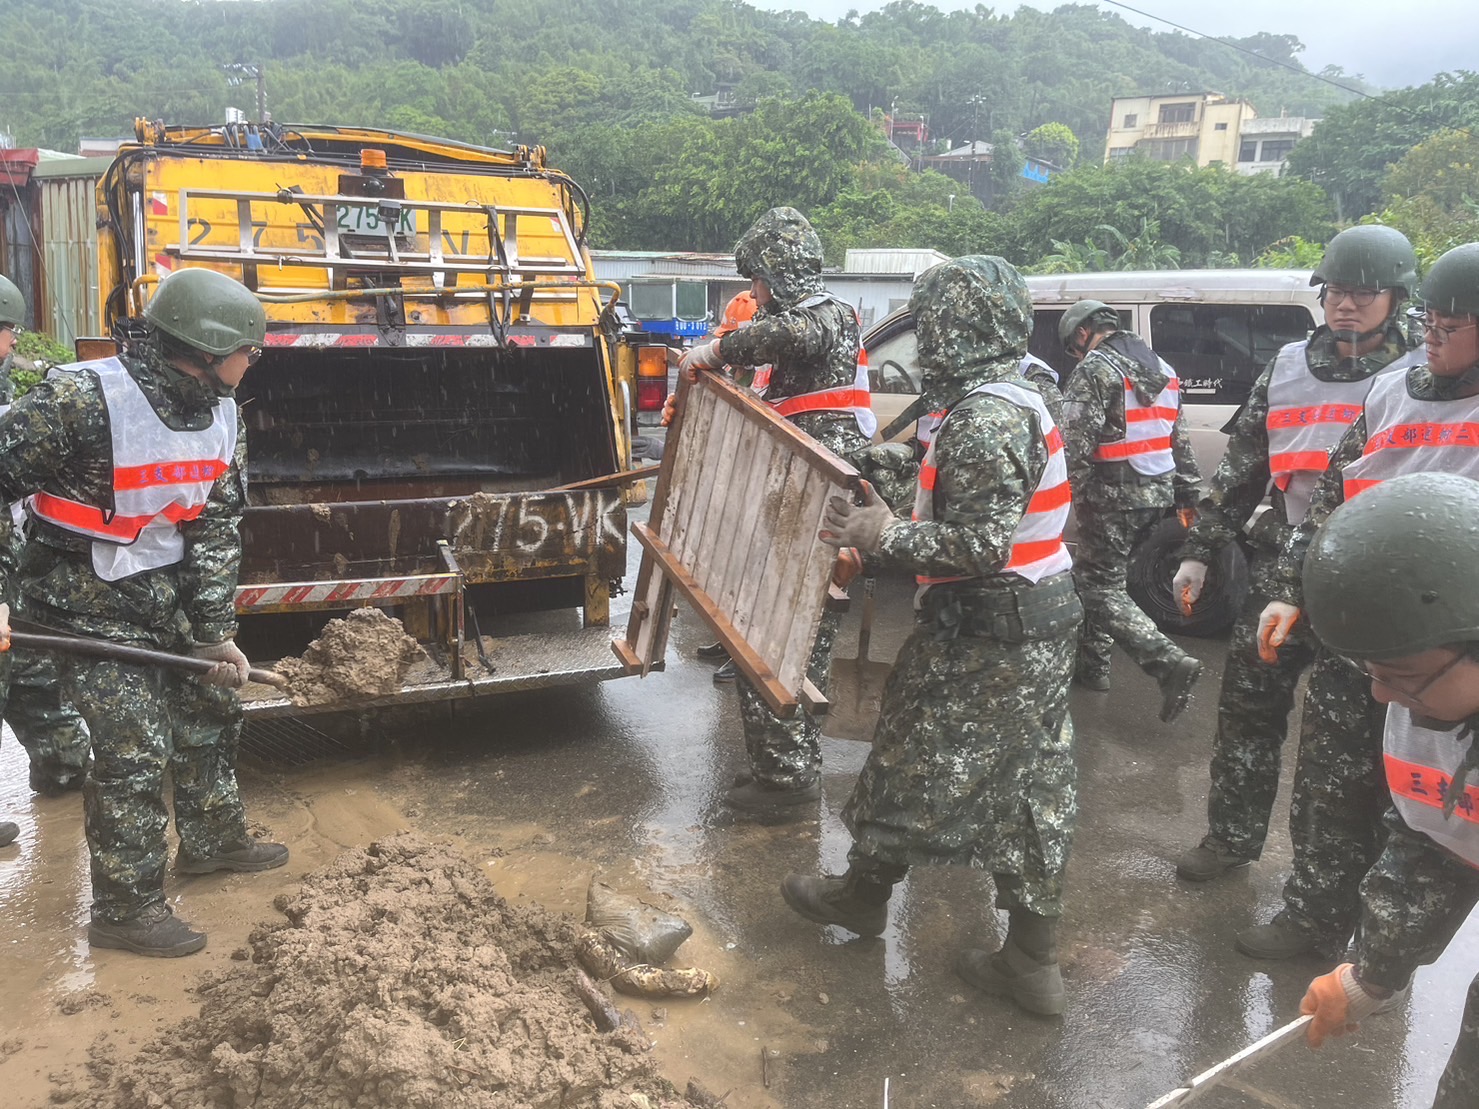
point(786, 562)
point(743, 611)
point(799, 443)
point(814, 699)
point(746, 512)
point(745, 658)
point(700, 475)
point(688, 458)
point(799, 614)
point(723, 511)
point(628, 656)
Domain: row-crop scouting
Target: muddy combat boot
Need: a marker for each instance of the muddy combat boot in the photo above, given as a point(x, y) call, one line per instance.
point(1209, 859)
point(50, 783)
point(156, 932)
point(852, 901)
point(1176, 685)
point(726, 673)
point(1087, 677)
point(713, 652)
point(1025, 969)
point(1280, 938)
point(244, 858)
point(8, 831)
point(756, 796)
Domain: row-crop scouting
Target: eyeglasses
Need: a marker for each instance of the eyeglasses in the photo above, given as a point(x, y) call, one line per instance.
point(1444, 333)
point(14, 328)
point(254, 354)
point(1414, 694)
point(1361, 298)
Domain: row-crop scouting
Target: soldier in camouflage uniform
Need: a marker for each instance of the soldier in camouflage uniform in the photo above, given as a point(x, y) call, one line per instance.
point(811, 340)
point(1297, 410)
point(135, 470)
point(972, 760)
point(50, 729)
point(1129, 460)
point(1338, 800)
point(1389, 585)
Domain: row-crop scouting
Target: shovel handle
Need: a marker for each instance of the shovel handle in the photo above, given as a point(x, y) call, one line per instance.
point(101, 648)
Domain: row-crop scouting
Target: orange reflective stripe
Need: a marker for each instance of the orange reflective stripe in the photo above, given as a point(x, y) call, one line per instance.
point(90, 518)
point(1428, 786)
point(927, 473)
point(1404, 436)
point(1046, 500)
point(1025, 553)
point(1055, 441)
point(169, 473)
point(1353, 485)
point(1136, 415)
point(1114, 452)
point(1312, 414)
point(827, 401)
point(1315, 461)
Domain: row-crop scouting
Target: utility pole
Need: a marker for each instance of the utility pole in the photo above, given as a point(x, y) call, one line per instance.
point(238, 73)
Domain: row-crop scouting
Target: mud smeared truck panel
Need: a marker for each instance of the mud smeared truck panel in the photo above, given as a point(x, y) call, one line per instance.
point(440, 361)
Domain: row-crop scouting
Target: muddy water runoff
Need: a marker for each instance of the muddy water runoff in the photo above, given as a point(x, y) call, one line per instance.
point(544, 789)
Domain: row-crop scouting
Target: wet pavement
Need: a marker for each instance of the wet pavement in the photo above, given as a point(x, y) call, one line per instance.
point(545, 789)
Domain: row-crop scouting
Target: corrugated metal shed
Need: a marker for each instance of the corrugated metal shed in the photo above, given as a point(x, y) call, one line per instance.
point(69, 242)
point(892, 260)
point(622, 265)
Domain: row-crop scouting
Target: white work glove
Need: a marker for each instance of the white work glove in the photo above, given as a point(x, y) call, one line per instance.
point(856, 525)
point(1274, 626)
point(232, 668)
point(705, 356)
point(1188, 583)
point(4, 627)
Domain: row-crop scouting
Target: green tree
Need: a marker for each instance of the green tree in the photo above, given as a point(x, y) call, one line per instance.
point(1432, 194)
point(1053, 142)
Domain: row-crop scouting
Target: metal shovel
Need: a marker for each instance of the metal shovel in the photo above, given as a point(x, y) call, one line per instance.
point(102, 648)
point(856, 685)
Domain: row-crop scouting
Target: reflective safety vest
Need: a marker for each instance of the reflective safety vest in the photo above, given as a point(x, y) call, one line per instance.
point(1038, 550)
point(856, 399)
point(1147, 442)
point(1306, 419)
point(161, 477)
point(1420, 764)
point(1409, 436)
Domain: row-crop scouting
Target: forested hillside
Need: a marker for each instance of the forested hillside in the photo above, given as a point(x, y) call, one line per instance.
point(608, 87)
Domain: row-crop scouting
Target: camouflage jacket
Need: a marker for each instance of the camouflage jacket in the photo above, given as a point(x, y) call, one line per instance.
point(1094, 413)
point(989, 457)
point(1242, 477)
point(810, 339)
point(1329, 494)
point(57, 439)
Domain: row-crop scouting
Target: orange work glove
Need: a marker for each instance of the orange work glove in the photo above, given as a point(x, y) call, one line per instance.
point(849, 565)
point(669, 409)
point(1338, 1002)
point(1187, 516)
point(1274, 625)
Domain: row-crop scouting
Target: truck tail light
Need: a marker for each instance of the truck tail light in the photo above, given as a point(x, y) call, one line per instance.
point(652, 378)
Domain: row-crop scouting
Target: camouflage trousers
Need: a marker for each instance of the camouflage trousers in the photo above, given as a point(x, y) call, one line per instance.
point(1416, 898)
point(1340, 794)
point(144, 720)
point(48, 727)
point(1252, 724)
point(972, 764)
point(1105, 538)
point(787, 753)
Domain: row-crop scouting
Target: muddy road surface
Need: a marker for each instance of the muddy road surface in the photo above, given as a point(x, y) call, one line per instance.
point(542, 790)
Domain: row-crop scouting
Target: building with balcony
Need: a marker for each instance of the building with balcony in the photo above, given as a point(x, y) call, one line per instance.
point(1265, 143)
point(1203, 126)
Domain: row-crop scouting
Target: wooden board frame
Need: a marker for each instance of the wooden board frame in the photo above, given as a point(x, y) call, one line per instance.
point(733, 530)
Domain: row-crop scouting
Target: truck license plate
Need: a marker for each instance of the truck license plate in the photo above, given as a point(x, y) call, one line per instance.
point(356, 220)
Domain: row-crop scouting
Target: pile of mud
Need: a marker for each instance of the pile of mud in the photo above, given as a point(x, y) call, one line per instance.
point(400, 978)
point(363, 655)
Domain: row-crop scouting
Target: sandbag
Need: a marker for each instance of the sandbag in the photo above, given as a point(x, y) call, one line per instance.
point(640, 933)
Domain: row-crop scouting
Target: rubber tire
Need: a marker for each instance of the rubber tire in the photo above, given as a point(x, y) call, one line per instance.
point(1153, 563)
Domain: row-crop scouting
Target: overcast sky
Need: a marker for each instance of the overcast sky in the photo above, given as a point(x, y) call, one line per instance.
point(1391, 44)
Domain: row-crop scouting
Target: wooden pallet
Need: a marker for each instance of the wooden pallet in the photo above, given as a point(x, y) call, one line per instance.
point(733, 530)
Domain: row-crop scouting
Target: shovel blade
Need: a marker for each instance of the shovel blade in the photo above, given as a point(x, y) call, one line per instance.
point(856, 692)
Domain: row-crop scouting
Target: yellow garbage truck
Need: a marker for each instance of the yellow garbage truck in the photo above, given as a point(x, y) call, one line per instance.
point(441, 422)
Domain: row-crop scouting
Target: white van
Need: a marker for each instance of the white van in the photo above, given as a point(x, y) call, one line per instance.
point(1218, 328)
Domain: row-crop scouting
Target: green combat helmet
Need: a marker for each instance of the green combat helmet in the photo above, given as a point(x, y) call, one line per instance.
point(12, 304)
point(1452, 285)
point(208, 311)
point(1080, 314)
point(1391, 573)
point(1369, 256)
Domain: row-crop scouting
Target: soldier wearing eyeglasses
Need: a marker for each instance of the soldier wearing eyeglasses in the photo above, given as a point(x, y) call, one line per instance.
point(1389, 584)
point(133, 473)
point(1298, 409)
point(1420, 420)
